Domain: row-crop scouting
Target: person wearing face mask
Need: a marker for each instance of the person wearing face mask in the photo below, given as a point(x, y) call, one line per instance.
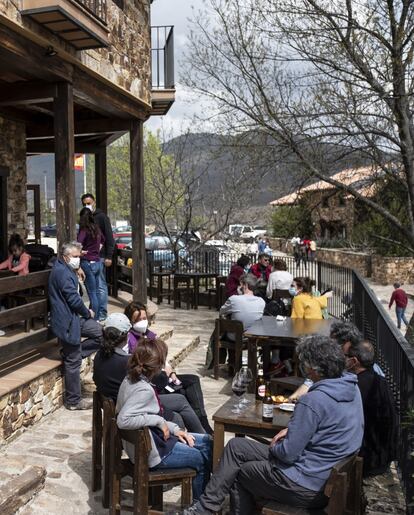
point(70, 319)
point(237, 270)
point(18, 260)
point(171, 387)
point(106, 253)
point(304, 303)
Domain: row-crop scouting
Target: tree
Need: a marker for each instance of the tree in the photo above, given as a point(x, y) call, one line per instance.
point(311, 73)
point(288, 221)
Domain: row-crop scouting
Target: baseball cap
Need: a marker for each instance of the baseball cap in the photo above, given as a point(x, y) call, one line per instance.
point(118, 321)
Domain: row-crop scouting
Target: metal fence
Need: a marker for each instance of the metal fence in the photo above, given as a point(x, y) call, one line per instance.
point(97, 8)
point(396, 358)
point(162, 55)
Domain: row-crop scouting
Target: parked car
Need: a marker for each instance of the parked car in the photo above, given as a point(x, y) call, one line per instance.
point(49, 231)
point(251, 233)
point(160, 253)
point(125, 230)
point(123, 242)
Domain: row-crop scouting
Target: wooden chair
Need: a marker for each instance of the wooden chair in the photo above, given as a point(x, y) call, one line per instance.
point(143, 478)
point(280, 384)
point(343, 489)
point(179, 282)
point(103, 411)
point(228, 326)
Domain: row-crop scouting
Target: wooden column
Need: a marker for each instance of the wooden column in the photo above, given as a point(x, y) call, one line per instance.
point(139, 269)
point(64, 174)
point(101, 182)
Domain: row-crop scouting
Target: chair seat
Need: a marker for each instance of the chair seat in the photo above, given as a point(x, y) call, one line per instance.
point(275, 508)
point(164, 476)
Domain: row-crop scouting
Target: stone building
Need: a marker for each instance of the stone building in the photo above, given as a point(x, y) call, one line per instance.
point(333, 212)
point(75, 75)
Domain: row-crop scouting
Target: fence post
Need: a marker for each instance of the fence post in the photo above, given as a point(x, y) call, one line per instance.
point(319, 275)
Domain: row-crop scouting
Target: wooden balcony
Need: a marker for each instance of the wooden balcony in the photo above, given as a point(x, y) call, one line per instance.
point(82, 23)
point(163, 80)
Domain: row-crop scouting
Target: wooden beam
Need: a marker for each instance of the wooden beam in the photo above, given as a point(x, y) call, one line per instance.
point(82, 128)
point(30, 59)
point(64, 151)
point(139, 269)
point(101, 188)
point(48, 147)
point(27, 93)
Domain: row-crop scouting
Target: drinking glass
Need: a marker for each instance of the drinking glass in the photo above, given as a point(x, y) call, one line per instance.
point(239, 387)
point(247, 377)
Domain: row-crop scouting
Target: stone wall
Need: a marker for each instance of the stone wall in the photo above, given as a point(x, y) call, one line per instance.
point(127, 60)
point(13, 157)
point(22, 407)
point(359, 261)
point(387, 270)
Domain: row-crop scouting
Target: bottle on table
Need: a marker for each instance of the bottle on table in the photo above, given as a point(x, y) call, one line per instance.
point(267, 406)
point(260, 385)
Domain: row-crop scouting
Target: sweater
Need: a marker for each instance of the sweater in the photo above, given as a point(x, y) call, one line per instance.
point(102, 220)
point(278, 280)
point(90, 244)
point(326, 427)
point(232, 281)
point(21, 269)
point(137, 407)
point(400, 298)
point(308, 306)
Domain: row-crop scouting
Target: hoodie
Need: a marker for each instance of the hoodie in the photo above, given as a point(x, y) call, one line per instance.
point(102, 220)
point(326, 427)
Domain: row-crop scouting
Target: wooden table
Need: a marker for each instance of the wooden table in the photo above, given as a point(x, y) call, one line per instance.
point(195, 277)
point(269, 332)
point(249, 422)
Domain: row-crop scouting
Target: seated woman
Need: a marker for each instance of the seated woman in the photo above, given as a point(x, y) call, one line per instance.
point(167, 381)
point(279, 279)
point(138, 406)
point(18, 260)
point(304, 304)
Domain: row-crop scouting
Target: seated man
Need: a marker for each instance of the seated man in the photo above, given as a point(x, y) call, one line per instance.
point(245, 307)
point(262, 268)
point(326, 427)
point(380, 432)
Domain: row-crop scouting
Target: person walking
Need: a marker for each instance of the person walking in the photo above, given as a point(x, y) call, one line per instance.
point(401, 300)
point(106, 254)
point(69, 320)
point(92, 239)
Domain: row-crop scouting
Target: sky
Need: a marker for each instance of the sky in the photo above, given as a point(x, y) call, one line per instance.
point(175, 12)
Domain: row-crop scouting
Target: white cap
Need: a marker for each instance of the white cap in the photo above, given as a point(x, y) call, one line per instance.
point(118, 321)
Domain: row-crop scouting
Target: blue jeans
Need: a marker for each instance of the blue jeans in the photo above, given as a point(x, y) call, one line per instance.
point(400, 312)
point(102, 293)
point(92, 271)
point(197, 458)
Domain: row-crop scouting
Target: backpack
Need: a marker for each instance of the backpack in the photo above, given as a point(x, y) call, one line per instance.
point(40, 255)
point(275, 307)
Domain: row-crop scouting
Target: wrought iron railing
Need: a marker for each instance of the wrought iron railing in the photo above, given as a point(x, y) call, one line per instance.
point(162, 55)
point(97, 8)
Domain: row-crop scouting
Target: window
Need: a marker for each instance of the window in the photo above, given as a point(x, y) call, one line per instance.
point(325, 201)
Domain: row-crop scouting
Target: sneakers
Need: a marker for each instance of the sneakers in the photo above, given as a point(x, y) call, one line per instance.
point(197, 509)
point(82, 404)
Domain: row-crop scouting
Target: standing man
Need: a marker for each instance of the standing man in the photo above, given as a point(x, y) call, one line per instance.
point(401, 301)
point(69, 320)
point(107, 251)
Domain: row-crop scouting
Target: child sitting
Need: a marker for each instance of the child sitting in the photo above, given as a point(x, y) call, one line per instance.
point(18, 260)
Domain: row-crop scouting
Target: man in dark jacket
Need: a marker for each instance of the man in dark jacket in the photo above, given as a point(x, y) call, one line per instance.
point(69, 320)
point(262, 268)
point(107, 251)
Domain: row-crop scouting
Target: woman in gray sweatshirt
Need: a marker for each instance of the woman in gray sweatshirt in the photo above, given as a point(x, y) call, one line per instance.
point(138, 406)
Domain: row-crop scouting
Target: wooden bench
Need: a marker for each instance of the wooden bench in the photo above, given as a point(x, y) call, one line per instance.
point(147, 484)
point(343, 489)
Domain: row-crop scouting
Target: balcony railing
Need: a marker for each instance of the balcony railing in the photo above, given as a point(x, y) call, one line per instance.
point(97, 8)
point(162, 54)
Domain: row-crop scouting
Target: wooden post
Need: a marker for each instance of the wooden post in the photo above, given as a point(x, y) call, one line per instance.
point(64, 151)
point(101, 183)
point(139, 269)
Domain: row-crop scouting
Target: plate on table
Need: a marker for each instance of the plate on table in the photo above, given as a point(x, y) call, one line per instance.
point(286, 406)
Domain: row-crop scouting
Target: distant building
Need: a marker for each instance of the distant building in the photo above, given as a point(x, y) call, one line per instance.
point(333, 212)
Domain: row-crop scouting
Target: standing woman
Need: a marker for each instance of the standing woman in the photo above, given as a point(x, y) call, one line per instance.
point(92, 239)
point(138, 406)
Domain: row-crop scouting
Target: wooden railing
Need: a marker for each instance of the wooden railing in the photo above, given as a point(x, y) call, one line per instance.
point(97, 8)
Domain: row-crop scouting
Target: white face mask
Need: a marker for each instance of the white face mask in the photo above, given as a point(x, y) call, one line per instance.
point(74, 262)
point(141, 326)
point(89, 206)
point(239, 290)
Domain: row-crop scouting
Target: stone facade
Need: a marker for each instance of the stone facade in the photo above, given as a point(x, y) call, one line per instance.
point(126, 62)
point(358, 261)
point(387, 270)
point(26, 405)
point(13, 157)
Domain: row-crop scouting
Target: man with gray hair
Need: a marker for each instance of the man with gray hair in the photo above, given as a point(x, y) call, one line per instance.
point(326, 427)
point(69, 320)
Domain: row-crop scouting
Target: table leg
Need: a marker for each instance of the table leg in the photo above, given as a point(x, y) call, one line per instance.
point(196, 291)
point(252, 362)
point(218, 443)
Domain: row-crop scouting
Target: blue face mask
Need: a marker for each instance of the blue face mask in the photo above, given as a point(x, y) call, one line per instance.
point(292, 291)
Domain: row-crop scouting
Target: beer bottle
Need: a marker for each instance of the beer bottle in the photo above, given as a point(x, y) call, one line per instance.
point(260, 385)
point(267, 407)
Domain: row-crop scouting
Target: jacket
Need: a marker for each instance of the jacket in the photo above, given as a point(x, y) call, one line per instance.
point(308, 306)
point(104, 223)
point(22, 268)
point(400, 298)
point(232, 281)
point(326, 427)
point(260, 272)
point(137, 407)
point(66, 305)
